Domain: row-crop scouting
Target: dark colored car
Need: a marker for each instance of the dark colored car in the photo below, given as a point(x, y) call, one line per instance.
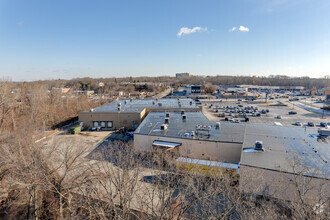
point(323, 124)
point(310, 124)
point(292, 112)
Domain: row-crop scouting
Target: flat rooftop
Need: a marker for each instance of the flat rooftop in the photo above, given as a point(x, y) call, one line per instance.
point(287, 149)
point(137, 105)
point(177, 128)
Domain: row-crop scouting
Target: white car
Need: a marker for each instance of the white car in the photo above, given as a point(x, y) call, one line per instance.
point(298, 123)
point(278, 117)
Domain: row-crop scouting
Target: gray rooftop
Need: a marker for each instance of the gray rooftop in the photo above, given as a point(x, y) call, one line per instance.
point(183, 129)
point(137, 105)
point(286, 149)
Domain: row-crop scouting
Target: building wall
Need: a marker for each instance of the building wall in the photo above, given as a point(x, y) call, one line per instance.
point(198, 149)
point(282, 185)
point(118, 119)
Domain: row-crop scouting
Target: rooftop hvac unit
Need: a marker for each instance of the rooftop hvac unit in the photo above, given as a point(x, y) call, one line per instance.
point(217, 125)
point(182, 112)
point(190, 103)
point(167, 115)
point(167, 120)
point(259, 146)
point(125, 101)
point(163, 127)
point(159, 104)
point(119, 104)
point(130, 99)
point(184, 117)
point(153, 102)
point(92, 110)
point(119, 108)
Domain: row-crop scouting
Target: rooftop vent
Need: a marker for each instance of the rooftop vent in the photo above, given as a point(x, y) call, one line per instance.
point(119, 104)
point(159, 104)
point(125, 101)
point(163, 127)
point(217, 125)
point(153, 102)
point(258, 146)
point(130, 99)
point(167, 120)
point(167, 115)
point(119, 108)
point(190, 102)
point(184, 117)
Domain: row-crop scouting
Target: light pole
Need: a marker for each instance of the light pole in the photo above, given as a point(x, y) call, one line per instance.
point(323, 110)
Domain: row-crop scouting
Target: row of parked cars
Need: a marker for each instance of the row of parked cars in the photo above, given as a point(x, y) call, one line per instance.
point(311, 124)
point(230, 113)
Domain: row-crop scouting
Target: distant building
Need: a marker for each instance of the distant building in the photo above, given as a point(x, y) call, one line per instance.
point(194, 89)
point(184, 74)
point(327, 98)
point(88, 92)
point(233, 89)
point(61, 90)
point(327, 91)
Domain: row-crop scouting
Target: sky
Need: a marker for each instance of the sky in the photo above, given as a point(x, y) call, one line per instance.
point(52, 39)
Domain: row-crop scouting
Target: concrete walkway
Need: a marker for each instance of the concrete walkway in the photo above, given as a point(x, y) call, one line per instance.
point(311, 109)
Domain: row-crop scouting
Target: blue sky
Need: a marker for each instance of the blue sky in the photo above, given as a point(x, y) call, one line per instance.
point(50, 39)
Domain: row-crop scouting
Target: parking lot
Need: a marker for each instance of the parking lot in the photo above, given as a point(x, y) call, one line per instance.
point(233, 110)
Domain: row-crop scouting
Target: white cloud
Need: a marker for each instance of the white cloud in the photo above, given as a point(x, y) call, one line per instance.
point(243, 29)
point(185, 30)
point(233, 29)
point(20, 23)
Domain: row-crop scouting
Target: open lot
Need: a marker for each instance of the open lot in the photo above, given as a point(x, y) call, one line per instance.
point(269, 118)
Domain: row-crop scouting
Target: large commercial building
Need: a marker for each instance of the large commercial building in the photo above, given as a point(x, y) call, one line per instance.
point(191, 135)
point(129, 113)
point(273, 161)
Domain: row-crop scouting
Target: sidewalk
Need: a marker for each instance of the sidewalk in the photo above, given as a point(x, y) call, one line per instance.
point(311, 109)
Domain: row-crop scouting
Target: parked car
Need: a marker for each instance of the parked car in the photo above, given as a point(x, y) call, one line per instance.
point(323, 124)
point(292, 112)
point(310, 124)
point(298, 123)
point(278, 117)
